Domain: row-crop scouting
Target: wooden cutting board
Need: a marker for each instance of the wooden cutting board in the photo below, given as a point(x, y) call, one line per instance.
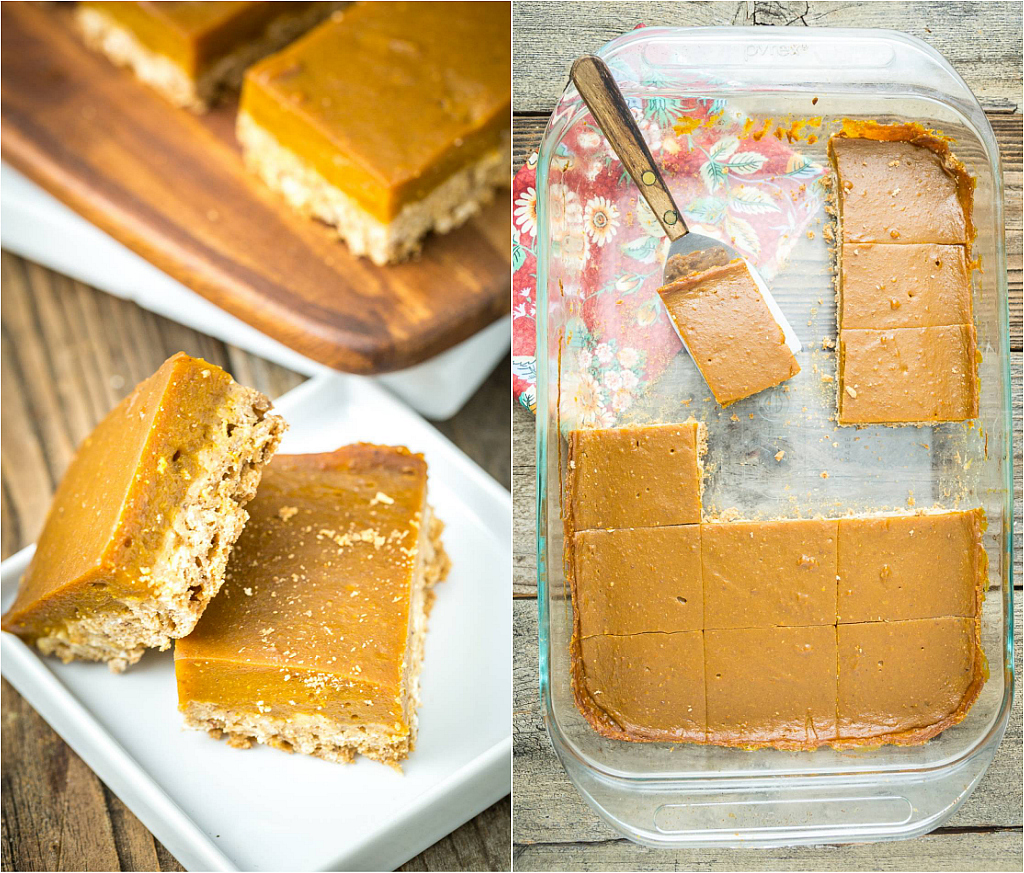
point(170, 185)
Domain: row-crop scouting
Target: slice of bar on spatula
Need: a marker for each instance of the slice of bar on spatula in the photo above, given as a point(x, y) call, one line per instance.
point(718, 303)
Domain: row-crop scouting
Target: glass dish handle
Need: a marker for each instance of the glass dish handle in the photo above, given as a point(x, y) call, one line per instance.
point(762, 812)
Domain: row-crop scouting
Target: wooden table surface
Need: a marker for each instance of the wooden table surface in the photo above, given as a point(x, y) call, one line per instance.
point(70, 353)
point(553, 828)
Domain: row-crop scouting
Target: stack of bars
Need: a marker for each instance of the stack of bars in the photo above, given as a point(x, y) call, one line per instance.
point(789, 634)
point(907, 345)
point(298, 622)
point(386, 121)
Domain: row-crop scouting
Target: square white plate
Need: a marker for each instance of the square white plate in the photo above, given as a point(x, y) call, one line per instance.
point(217, 808)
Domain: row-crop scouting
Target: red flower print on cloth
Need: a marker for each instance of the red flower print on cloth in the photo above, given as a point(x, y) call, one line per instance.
point(733, 181)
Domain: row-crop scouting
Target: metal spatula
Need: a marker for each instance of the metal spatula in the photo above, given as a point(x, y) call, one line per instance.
point(689, 252)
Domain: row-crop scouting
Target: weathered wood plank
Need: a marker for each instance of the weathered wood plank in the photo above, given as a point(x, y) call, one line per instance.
point(549, 811)
point(136, 848)
point(70, 353)
point(31, 767)
point(943, 850)
point(87, 832)
point(548, 36)
point(480, 844)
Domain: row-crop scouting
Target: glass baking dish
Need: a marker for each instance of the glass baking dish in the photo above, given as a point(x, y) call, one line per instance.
point(603, 359)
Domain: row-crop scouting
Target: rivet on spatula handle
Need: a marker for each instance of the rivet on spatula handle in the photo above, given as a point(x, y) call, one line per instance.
point(597, 87)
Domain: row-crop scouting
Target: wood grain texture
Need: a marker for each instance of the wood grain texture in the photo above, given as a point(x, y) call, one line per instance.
point(171, 186)
point(480, 844)
point(554, 829)
point(70, 353)
point(941, 850)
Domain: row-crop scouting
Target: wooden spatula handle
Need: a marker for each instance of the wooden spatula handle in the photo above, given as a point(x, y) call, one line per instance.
point(597, 87)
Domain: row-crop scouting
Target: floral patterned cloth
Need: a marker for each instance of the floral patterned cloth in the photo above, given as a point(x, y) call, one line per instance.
point(734, 180)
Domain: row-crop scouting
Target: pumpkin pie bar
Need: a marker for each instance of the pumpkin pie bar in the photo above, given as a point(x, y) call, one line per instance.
point(771, 686)
point(896, 567)
point(904, 190)
point(643, 687)
point(769, 573)
point(138, 536)
point(904, 682)
point(315, 643)
point(193, 52)
point(913, 285)
point(729, 331)
point(644, 476)
point(910, 374)
point(388, 121)
point(907, 348)
point(639, 581)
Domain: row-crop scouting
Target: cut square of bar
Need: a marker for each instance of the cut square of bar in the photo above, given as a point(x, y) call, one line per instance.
point(904, 682)
point(915, 285)
point(729, 331)
point(768, 573)
point(899, 191)
point(138, 535)
point(639, 581)
point(315, 644)
point(194, 52)
point(386, 122)
point(911, 566)
point(771, 686)
point(645, 476)
point(643, 687)
point(912, 375)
